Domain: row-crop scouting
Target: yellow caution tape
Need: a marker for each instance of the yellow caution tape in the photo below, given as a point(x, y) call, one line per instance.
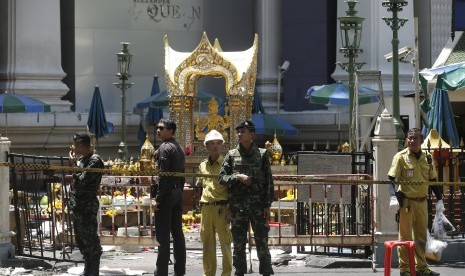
point(360, 179)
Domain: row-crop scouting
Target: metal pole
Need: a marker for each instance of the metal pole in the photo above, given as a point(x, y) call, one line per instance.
point(124, 61)
point(351, 67)
point(122, 151)
point(415, 77)
point(395, 23)
point(351, 28)
point(279, 90)
point(351, 72)
point(395, 66)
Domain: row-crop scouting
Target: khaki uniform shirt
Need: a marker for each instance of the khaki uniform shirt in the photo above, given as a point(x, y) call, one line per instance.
point(406, 167)
point(212, 189)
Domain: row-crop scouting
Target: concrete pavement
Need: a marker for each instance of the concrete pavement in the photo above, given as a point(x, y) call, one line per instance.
point(141, 261)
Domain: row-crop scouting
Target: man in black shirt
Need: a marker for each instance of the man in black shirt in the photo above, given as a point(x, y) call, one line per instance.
point(168, 207)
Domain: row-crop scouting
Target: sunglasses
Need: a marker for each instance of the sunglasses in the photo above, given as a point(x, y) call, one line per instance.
point(161, 128)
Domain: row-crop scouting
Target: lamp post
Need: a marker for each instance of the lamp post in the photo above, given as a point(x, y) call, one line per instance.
point(351, 33)
point(281, 70)
point(124, 62)
point(395, 23)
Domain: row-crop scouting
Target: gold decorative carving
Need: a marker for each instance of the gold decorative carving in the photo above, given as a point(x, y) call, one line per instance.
point(146, 155)
point(183, 70)
point(276, 151)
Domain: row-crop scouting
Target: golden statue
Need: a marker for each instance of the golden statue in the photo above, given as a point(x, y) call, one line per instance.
point(212, 121)
point(276, 151)
point(346, 147)
point(147, 152)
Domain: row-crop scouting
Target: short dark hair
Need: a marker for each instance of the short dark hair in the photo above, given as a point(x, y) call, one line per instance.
point(170, 124)
point(248, 124)
point(414, 131)
point(82, 137)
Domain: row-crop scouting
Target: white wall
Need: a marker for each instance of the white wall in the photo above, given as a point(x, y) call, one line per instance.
point(102, 24)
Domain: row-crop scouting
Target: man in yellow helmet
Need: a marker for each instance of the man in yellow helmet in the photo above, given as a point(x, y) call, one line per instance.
point(215, 213)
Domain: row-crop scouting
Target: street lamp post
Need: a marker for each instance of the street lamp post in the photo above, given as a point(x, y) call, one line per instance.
point(351, 33)
point(281, 70)
point(124, 62)
point(395, 23)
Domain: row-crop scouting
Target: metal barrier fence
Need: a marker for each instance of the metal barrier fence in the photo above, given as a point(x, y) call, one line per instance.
point(318, 214)
point(450, 165)
point(320, 217)
point(326, 216)
point(40, 229)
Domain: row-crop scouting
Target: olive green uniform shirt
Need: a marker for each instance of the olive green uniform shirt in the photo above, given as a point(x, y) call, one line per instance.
point(212, 189)
point(406, 167)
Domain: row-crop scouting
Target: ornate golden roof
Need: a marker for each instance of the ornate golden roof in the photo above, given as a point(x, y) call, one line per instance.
point(210, 60)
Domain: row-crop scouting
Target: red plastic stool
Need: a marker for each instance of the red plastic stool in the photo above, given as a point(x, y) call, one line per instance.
point(388, 245)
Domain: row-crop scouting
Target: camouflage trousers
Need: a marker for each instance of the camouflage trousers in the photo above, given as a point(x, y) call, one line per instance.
point(239, 226)
point(85, 228)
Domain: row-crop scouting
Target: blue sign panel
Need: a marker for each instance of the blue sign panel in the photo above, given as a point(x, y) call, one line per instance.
point(459, 15)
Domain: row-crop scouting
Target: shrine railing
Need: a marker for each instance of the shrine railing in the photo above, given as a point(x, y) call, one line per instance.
point(323, 213)
point(319, 213)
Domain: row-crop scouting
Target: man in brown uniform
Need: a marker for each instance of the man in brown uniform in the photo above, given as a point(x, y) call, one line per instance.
point(414, 165)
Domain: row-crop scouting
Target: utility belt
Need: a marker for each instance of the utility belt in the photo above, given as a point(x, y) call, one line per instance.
point(401, 197)
point(154, 186)
point(220, 202)
point(179, 185)
point(417, 199)
point(82, 193)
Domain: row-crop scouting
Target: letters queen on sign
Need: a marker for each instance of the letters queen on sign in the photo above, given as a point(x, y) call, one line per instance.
point(169, 14)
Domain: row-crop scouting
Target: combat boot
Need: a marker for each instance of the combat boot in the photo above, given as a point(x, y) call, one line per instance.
point(94, 265)
point(86, 267)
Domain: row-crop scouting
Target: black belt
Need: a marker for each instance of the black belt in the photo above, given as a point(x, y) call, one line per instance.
point(418, 199)
point(178, 186)
point(221, 202)
point(83, 192)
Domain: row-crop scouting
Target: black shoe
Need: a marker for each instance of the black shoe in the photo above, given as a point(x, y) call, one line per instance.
point(427, 272)
point(239, 273)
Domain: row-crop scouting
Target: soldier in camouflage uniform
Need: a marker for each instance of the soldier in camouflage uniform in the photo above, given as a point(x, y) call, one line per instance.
point(84, 203)
point(247, 174)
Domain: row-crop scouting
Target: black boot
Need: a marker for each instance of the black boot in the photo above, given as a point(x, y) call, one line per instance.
point(86, 267)
point(94, 265)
